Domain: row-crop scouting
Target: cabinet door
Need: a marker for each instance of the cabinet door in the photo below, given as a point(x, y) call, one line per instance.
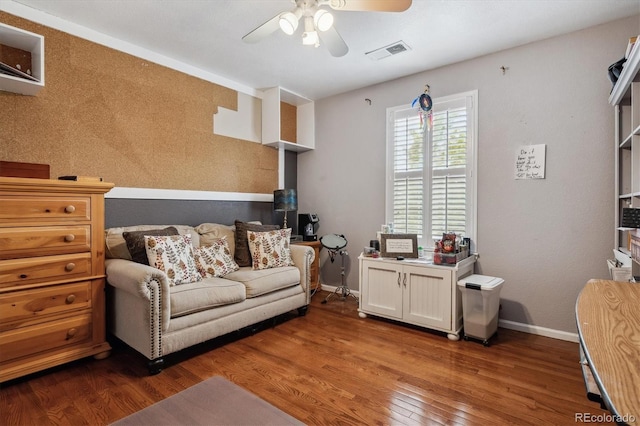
point(427, 297)
point(381, 291)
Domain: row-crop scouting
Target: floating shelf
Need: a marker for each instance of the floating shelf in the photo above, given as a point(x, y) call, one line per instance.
point(32, 43)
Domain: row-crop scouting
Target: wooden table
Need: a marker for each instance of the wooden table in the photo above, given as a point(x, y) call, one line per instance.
point(608, 319)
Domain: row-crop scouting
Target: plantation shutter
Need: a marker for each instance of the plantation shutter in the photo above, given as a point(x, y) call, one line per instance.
point(448, 169)
point(428, 172)
point(408, 170)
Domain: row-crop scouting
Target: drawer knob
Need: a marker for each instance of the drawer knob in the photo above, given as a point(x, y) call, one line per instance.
point(70, 299)
point(70, 208)
point(70, 237)
point(72, 332)
point(70, 267)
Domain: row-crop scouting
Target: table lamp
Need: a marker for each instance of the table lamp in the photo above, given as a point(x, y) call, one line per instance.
point(285, 200)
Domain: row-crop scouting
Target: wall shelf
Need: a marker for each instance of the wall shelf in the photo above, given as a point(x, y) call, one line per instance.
point(30, 42)
point(625, 96)
point(273, 124)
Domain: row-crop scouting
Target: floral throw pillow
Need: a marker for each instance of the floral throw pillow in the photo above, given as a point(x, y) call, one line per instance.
point(173, 254)
point(215, 260)
point(270, 249)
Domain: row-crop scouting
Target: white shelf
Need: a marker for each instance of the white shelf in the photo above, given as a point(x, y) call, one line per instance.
point(30, 42)
point(272, 124)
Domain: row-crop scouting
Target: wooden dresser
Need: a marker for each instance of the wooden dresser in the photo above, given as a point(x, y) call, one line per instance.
point(52, 279)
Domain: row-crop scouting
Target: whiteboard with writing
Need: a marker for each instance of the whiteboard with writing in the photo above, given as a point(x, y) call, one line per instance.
point(530, 162)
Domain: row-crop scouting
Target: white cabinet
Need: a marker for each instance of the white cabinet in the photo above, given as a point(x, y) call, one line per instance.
point(32, 43)
point(273, 120)
point(625, 96)
point(417, 293)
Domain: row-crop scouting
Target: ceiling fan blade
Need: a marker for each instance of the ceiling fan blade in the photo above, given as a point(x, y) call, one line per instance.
point(334, 42)
point(370, 5)
point(263, 30)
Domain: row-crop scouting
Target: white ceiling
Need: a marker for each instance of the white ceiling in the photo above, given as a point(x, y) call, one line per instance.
point(207, 34)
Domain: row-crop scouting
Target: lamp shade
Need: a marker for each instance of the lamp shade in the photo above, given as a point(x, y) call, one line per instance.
point(285, 200)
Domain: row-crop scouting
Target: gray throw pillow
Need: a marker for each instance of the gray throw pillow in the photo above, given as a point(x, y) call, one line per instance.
point(135, 242)
point(242, 255)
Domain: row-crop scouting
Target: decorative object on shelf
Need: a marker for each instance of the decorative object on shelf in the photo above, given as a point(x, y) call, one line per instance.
point(630, 218)
point(318, 23)
point(395, 245)
point(285, 200)
point(425, 105)
point(451, 249)
point(615, 69)
point(24, 170)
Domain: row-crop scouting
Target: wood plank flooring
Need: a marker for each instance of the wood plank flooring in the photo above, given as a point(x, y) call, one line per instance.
point(328, 368)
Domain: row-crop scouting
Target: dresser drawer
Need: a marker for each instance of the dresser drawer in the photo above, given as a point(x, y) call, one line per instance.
point(44, 240)
point(44, 337)
point(44, 209)
point(21, 307)
point(18, 272)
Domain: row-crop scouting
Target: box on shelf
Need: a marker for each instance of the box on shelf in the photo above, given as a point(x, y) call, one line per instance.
point(619, 273)
point(16, 59)
point(635, 244)
point(24, 170)
point(449, 258)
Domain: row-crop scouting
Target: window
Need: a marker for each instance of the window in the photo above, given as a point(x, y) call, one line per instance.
point(431, 179)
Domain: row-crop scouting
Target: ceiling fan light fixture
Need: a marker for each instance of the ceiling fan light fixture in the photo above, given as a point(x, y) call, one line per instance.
point(288, 22)
point(310, 38)
point(323, 20)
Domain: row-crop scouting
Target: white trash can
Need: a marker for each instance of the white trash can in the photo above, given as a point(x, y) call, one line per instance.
point(480, 306)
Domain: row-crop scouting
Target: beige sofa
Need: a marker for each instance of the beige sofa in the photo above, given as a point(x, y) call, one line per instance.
point(156, 318)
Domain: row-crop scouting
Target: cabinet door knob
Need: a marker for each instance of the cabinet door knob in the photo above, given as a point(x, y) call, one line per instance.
point(69, 237)
point(404, 279)
point(71, 332)
point(69, 266)
point(70, 208)
point(398, 279)
point(70, 299)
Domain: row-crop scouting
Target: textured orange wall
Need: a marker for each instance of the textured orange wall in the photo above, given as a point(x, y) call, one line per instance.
point(106, 113)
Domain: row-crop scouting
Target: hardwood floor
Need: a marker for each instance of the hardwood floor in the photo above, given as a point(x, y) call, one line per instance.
point(329, 367)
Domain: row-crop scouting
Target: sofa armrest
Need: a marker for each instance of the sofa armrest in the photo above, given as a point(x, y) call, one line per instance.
point(303, 257)
point(143, 281)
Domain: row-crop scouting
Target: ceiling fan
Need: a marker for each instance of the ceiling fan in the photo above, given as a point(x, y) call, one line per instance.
point(318, 22)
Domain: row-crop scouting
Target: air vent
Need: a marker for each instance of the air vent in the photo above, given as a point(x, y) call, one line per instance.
point(384, 52)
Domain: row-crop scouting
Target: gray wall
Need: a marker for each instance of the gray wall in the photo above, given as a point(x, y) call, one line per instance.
point(546, 238)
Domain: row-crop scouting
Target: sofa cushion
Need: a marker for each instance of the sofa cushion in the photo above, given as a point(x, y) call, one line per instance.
point(210, 232)
point(136, 244)
point(242, 254)
point(215, 260)
point(173, 254)
point(270, 249)
point(258, 282)
point(116, 246)
point(205, 294)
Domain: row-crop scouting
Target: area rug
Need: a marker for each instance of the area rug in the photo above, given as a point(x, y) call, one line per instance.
point(216, 401)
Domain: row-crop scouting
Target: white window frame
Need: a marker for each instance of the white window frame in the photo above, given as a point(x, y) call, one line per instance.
point(471, 210)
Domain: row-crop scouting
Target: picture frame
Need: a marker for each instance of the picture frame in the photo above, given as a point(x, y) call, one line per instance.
point(394, 245)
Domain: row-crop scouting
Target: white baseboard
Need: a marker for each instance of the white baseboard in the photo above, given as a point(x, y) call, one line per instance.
point(332, 288)
point(541, 331)
point(511, 325)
